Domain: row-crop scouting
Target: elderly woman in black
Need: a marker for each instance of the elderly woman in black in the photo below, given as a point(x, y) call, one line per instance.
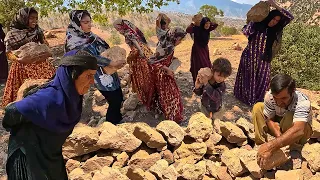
point(40, 123)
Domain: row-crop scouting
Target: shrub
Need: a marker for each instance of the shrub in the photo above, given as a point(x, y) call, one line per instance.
point(300, 55)
point(227, 31)
point(148, 33)
point(115, 38)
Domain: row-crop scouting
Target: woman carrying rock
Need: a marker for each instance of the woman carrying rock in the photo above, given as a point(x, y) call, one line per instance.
point(162, 25)
point(80, 37)
point(254, 69)
point(24, 29)
point(200, 51)
point(167, 94)
point(140, 72)
point(40, 123)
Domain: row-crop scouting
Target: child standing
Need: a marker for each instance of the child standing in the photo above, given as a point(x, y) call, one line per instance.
point(212, 87)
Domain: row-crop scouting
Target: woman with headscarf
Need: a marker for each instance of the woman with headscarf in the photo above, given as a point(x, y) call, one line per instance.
point(3, 58)
point(200, 51)
point(254, 69)
point(40, 123)
point(167, 94)
point(140, 72)
point(24, 29)
point(80, 37)
point(162, 25)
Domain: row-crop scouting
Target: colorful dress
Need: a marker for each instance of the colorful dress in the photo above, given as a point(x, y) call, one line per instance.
point(18, 36)
point(200, 57)
point(253, 75)
point(140, 71)
point(167, 94)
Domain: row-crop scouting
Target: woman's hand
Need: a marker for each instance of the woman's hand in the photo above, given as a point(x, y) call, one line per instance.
point(198, 82)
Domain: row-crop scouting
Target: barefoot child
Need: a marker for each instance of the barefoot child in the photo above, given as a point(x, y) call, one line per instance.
point(210, 85)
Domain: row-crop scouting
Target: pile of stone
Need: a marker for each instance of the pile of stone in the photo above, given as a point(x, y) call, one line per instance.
point(204, 150)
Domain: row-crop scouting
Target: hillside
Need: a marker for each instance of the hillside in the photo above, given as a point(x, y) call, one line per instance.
point(307, 11)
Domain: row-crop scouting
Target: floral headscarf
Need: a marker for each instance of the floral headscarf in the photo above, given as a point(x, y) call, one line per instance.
point(129, 31)
point(76, 37)
point(166, 44)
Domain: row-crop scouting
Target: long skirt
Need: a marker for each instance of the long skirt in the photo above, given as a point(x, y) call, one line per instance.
point(252, 79)
point(140, 75)
point(19, 73)
point(17, 167)
point(199, 59)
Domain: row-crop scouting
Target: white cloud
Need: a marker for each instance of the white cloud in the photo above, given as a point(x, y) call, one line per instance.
point(246, 1)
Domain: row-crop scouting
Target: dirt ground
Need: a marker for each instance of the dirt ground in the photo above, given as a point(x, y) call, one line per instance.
point(233, 109)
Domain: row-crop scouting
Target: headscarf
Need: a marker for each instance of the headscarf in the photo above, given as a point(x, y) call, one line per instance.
point(166, 44)
point(272, 32)
point(202, 35)
point(57, 107)
point(20, 33)
point(76, 37)
point(129, 31)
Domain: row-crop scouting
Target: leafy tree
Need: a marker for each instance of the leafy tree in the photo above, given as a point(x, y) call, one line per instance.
point(8, 8)
point(300, 55)
point(211, 12)
point(98, 8)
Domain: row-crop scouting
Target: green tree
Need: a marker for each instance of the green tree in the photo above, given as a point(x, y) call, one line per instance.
point(98, 8)
point(300, 55)
point(211, 12)
point(8, 8)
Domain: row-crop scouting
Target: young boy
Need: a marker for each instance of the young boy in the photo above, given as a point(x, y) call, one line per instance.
point(212, 87)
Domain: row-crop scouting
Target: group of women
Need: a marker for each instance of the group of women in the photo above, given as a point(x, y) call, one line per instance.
point(40, 123)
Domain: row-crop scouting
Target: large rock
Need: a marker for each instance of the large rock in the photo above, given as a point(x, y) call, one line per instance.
point(315, 177)
point(294, 162)
point(311, 153)
point(192, 171)
point(292, 175)
point(249, 160)
point(170, 174)
point(34, 51)
point(109, 173)
point(83, 140)
point(97, 163)
point(212, 168)
point(315, 128)
point(247, 127)
point(231, 159)
point(212, 142)
point(72, 165)
point(221, 147)
point(278, 158)
point(121, 161)
point(167, 155)
point(131, 103)
point(159, 168)
point(139, 174)
point(113, 137)
point(194, 151)
point(151, 137)
point(28, 85)
point(223, 173)
point(78, 174)
point(199, 127)
point(142, 159)
point(232, 133)
point(172, 132)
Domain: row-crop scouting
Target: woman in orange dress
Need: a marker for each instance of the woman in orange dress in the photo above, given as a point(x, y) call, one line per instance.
point(24, 29)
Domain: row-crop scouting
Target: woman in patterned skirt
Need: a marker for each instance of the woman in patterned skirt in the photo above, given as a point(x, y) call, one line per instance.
point(254, 69)
point(140, 72)
point(167, 93)
point(24, 29)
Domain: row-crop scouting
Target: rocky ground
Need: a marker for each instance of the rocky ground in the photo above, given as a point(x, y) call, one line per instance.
point(201, 149)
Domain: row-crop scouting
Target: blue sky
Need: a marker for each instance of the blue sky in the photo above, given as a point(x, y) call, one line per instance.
point(246, 1)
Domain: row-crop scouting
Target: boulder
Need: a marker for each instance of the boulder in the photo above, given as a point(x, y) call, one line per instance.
point(232, 133)
point(194, 151)
point(199, 127)
point(113, 137)
point(231, 158)
point(143, 160)
point(83, 140)
point(28, 85)
point(131, 103)
point(97, 163)
point(173, 133)
point(311, 153)
point(148, 135)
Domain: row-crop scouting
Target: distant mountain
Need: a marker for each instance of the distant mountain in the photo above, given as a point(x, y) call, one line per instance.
point(230, 8)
